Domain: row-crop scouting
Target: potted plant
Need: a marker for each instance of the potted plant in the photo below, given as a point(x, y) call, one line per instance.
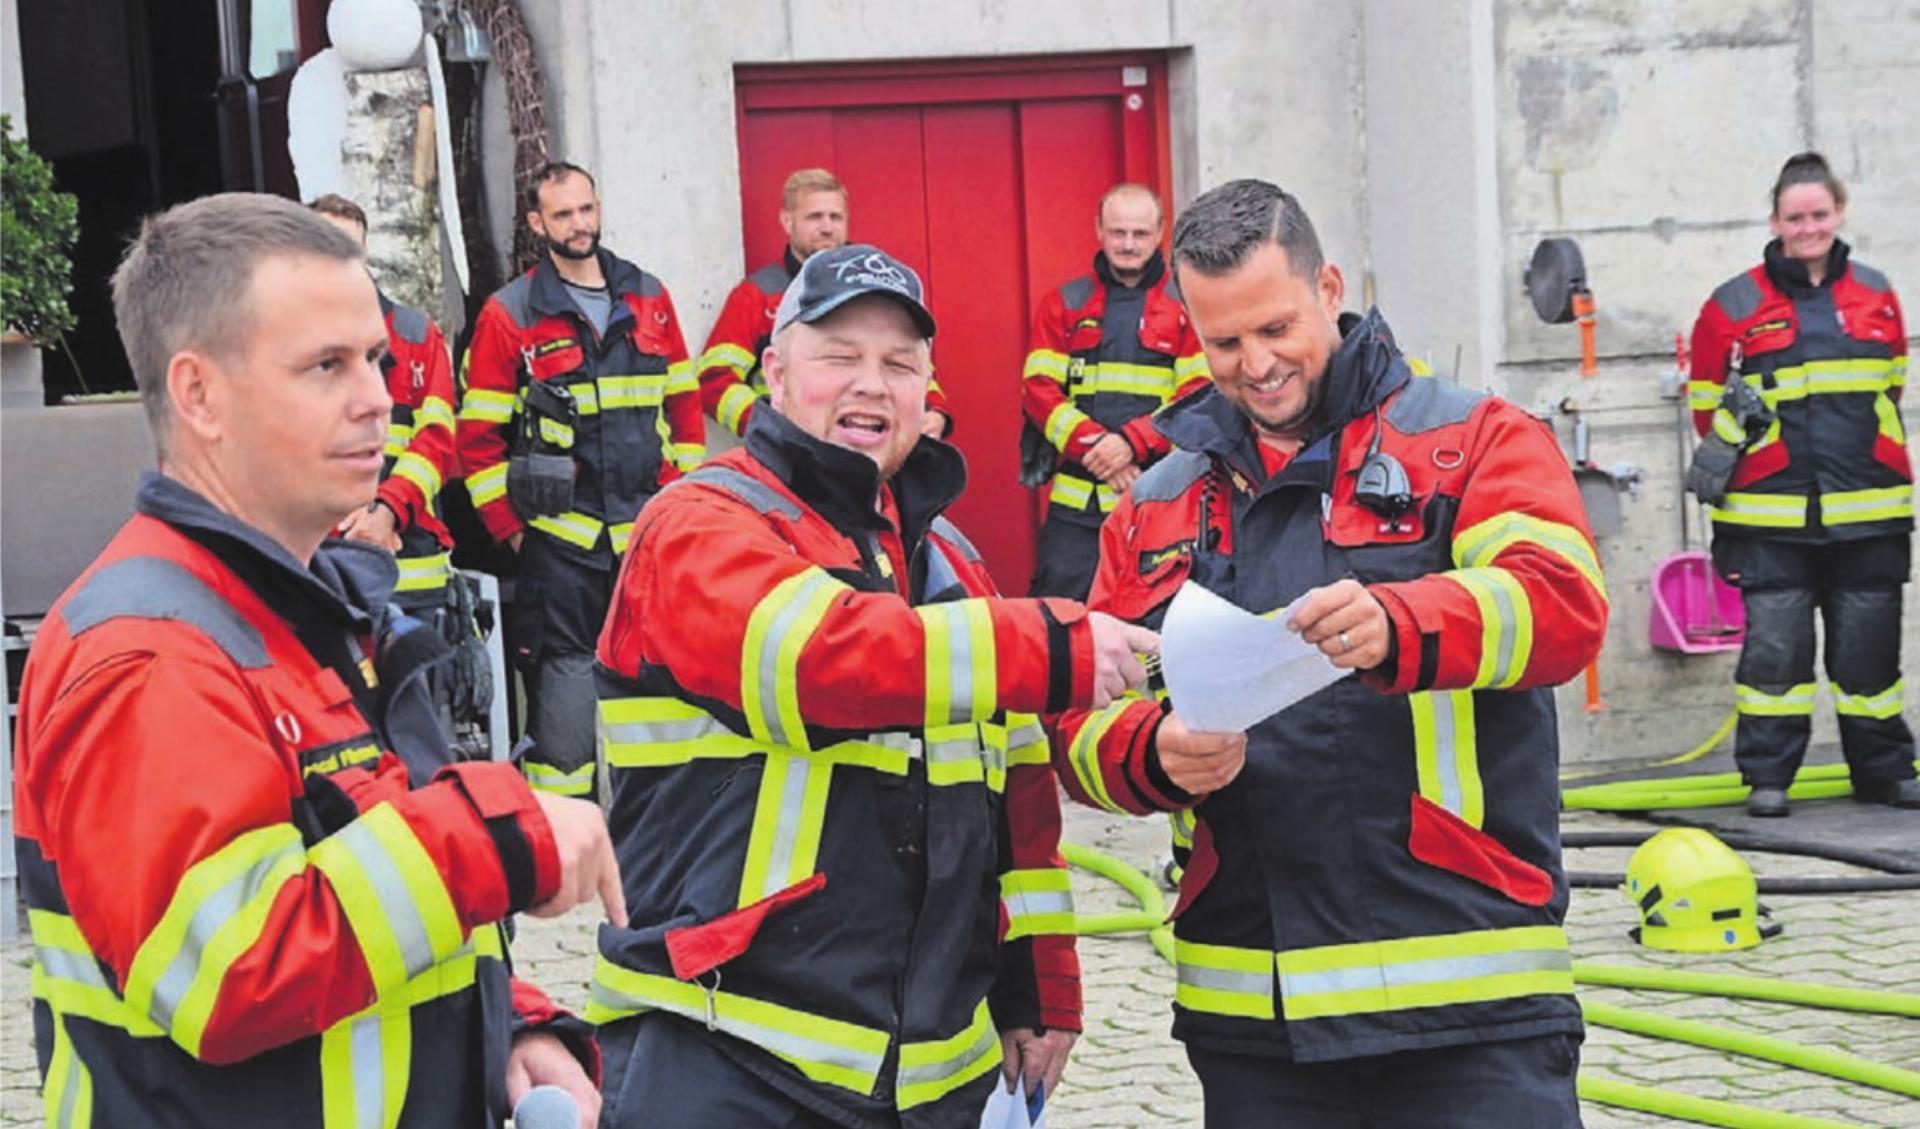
point(38, 225)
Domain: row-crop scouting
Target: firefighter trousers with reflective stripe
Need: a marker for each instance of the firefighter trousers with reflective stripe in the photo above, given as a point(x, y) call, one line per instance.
point(1855, 588)
point(559, 604)
point(1520, 1082)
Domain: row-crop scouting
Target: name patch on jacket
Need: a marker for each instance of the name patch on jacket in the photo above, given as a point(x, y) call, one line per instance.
point(1153, 559)
point(1767, 327)
point(1087, 323)
point(329, 759)
point(554, 345)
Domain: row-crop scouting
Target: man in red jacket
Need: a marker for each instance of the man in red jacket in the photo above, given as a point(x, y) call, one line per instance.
point(242, 913)
point(829, 783)
point(813, 214)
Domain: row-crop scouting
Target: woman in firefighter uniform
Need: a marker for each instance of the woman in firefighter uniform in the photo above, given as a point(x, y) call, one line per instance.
point(831, 793)
point(1798, 367)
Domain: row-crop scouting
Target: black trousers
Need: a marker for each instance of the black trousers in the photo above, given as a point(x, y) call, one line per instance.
point(560, 603)
point(662, 1072)
point(1855, 587)
point(1068, 554)
point(1520, 1083)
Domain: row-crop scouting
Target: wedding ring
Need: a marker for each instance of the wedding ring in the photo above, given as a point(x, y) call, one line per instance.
point(1344, 645)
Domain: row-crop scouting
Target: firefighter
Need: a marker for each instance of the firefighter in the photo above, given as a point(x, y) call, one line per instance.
point(813, 214)
point(1798, 366)
point(580, 403)
point(242, 913)
point(828, 777)
point(1109, 349)
point(1368, 930)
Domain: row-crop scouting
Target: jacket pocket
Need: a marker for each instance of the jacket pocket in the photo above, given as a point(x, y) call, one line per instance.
point(1444, 840)
point(556, 358)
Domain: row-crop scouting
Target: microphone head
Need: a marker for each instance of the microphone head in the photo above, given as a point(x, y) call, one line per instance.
point(547, 1107)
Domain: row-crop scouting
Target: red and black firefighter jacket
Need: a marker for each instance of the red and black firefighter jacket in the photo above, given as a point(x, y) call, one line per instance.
point(638, 426)
point(1831, 362)
point(730, 379)
point(420, 454)
point(1384, 874)
point(242, 912)
point(1104, 358)
point(831, 794)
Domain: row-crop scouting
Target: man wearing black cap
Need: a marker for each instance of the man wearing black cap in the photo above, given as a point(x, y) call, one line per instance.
point(830, 788)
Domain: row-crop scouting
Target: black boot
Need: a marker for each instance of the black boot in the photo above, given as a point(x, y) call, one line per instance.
point(1893, 793)
point(1767, 803)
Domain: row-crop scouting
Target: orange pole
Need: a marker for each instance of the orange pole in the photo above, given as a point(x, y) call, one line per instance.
point(1583, 308)
point(1594, 704)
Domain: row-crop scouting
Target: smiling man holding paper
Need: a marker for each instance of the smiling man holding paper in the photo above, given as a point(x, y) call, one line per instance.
point(1368, 930)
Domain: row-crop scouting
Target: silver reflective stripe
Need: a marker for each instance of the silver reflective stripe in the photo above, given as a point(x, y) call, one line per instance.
point(1032, 903)
point(1437, 970)
point(763, 498)
point(1223, 980)
point(76, 968)
point(959, 663)
point(947, 1068)
point(1446, 764)
point(958, 750)
point(783, 620)
point(369, 1072)
point(70, 1092)
point(793, 800)
point(664, 732)
point(216, 910)
point(152, 588)
point(726, 1018)
point(1509, 631)
point(396, 900)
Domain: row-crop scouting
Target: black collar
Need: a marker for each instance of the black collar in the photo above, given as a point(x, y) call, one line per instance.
point(1150, 275)
point(1790, 274)
point(844, 486)
point(548, 296)
point(791, 261)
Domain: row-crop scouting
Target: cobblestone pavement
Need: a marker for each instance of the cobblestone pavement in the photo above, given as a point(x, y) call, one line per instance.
point(1126, 1072)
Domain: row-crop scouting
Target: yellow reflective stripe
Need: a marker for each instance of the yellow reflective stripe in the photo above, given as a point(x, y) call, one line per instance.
point(727, 355)
point(1037, 901)
point(1857, 374)
point(586, 397)
point(67, 975)
point(555, 432)
point(1187, 367)
point(1794, 701)
point(484, 406)
point(1027, 740)
point(1077, 493)
point(1728, 428)
point(1181, 825)
point(733, 405)
point(1223, 980)
point(619, 534)
point(1126, 379)
point(488, 484)
point(1773, 511)
point(1061, 422)
point(1897, 374)
point(1415, 972)
point(642, 391)
point(393, 896)
point(931, 1071)
point(962, 671)
point(573, 527)
point(421, 574)
point(829, 1051)
point(681, 379)
point(788, 817)
point(1046, 362)
point(1850, 507)
point(67, 1093)
point(777, 631)
point(666, 733)
point(1703, 395)
point(398, 436)
point(1888, 414)
point(1879, 706)
point(1483, 543)
point(434, 411)
point(558, 781)
point(1084, 753)
point(364, 1067)
point(216, 913)
point(1446, 752)
point(957, 754)
point(416, 469)
point(1506, 624)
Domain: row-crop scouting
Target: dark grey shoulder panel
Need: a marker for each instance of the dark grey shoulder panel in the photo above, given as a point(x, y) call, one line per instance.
point(1170, 477)
point(517, 298)
point(1428, 402)
point(1738, 297)
point(1078, 291)
point(152, 588)
point(1173, 285)
point(772, 278)
point(410, 324)
point(763, 498)
point(1870, 278)
point(950, 533)
point(650, 286)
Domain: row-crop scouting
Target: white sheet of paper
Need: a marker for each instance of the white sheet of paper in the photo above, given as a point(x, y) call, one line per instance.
point(1228, 669)
point(1005, 1111)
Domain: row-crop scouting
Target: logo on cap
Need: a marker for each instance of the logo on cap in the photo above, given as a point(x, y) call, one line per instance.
point(874, 270)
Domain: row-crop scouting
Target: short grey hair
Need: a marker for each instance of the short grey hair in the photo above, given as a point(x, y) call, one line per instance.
point(1221, 230)
point(184, 281)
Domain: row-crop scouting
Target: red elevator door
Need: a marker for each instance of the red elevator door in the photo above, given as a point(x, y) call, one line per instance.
point(983, 175)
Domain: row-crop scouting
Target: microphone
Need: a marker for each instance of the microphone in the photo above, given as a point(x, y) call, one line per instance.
point(547, 1107)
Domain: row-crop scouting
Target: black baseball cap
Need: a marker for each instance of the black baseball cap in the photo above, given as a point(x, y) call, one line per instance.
point(831, 279)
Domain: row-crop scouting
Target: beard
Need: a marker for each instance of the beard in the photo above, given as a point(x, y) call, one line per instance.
point(1297, 422)
point(566, 252)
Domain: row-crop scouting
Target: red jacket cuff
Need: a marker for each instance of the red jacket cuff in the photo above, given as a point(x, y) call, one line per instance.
point(522, 837)
point(534, 1012)
point(1403, 674)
